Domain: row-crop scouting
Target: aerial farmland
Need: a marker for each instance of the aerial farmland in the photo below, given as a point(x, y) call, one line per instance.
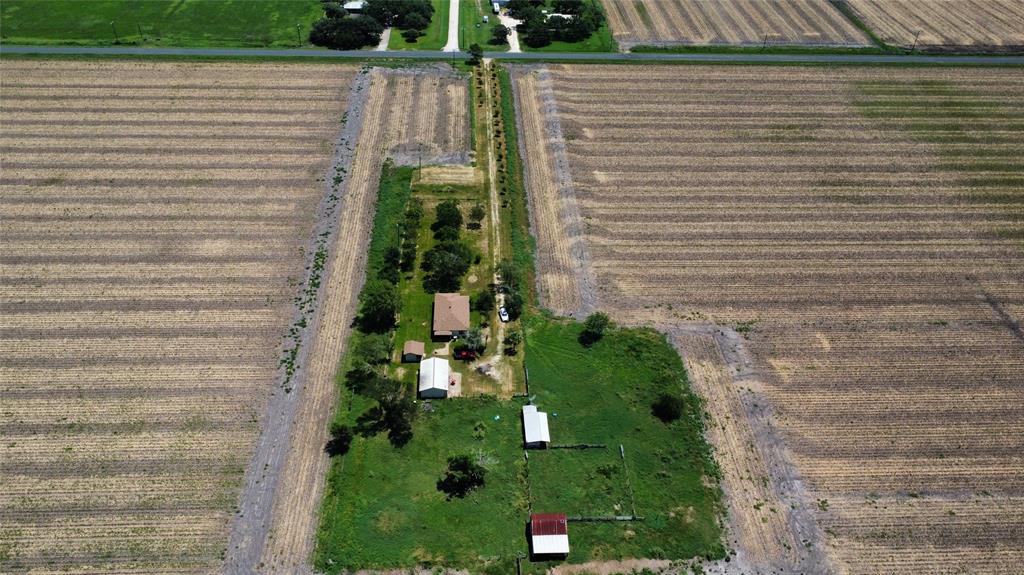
point(731, 22)
point(837, 254)
point(950, 25)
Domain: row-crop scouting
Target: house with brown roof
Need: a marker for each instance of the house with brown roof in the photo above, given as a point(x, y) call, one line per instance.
point(451, 315)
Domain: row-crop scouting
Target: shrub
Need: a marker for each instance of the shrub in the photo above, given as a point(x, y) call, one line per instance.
point(593, 328)
point(483, 301)
point(340, 441)
point(462, 476)
point(379, 303)
point(668, 407)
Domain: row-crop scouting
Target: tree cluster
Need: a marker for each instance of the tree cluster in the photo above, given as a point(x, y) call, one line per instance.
point(511, 284)
point(343, 31)
point(410, 232)
point(578, 20)
point(593, 328)
point(450, 258)
point(393, 413)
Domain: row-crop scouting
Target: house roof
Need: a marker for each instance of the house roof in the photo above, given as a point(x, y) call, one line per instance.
point(549, 534)
point(413, 347)
point(434, 374)
point(535, 425)
point(451, 313)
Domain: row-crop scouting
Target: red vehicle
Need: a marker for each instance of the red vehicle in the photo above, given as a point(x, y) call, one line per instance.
point(465, 354)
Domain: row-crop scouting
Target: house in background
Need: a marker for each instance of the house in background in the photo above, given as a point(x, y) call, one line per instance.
point(435, 377)
point(549, 536)
point(535, 428)
point(413, 351)
point(451, 315)
point(355, 6)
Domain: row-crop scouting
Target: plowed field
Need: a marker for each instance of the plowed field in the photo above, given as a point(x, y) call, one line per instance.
point(993, 24)
point(861, 228)
point(732, 22)
point(154, 222)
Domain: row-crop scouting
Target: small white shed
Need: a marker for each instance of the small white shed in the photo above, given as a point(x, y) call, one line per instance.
point(535, 428)
point(434, 378)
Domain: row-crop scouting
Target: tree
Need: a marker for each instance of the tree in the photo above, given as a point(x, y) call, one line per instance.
point(340, 441)
point(379, 304)
point(445, 264)
point(477, 215)
point(346, 33)
point(508, 272)
point(594, 327)
point(536, 33)
point(398, 12)
point(447, 215)
point(373, 348)
point(483, 301)
point(668, 407)
point(512, 339)
point(514, 305)
point(415, 21)
point(499, 35)
point(334, 10)
point(462, 476)
point(476, 54)
point(394, 414)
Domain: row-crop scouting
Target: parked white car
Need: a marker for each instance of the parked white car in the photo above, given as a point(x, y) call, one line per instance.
point(503, 313)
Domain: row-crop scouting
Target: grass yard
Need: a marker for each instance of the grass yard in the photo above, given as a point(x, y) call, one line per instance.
point(382, 508)
point(474, 29)
point(191, 23)
point(433, 38)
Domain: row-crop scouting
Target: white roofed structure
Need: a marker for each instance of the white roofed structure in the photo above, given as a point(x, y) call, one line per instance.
point(535, 427)
point(434, 378)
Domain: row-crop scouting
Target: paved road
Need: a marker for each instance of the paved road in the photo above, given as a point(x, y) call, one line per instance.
point(534, 56)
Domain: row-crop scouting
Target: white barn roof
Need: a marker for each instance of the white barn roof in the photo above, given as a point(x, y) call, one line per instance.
point(535, 425)
point(433, 374)
point(551, 544)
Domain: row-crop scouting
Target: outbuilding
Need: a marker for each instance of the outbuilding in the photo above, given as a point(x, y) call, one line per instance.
point(451, 315)
point(549, 536)
point(535, 428)
point(355, 6)
point(435, 378)
point(413, 351)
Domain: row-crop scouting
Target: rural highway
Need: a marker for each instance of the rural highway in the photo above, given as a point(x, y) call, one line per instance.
point(528, 56)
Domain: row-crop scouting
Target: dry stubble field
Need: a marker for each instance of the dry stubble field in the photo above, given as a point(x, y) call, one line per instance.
point(154, 217)
point(990, 24)
point(732, 22)
point(406, 111)
point(862, 229)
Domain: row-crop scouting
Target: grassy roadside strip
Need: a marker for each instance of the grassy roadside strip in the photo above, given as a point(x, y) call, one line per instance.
point(510, 165)
point(790, 49)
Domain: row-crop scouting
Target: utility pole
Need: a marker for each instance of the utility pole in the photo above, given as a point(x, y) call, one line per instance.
point(916, 36)
point(116, 39)
point(765, 44)
point(139, 27)
point(298, 35)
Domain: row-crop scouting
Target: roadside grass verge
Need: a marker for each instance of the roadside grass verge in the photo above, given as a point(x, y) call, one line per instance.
point(184, 23)
point(433, 38)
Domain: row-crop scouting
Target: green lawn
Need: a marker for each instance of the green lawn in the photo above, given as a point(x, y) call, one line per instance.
point(159, 22)
point(434, 37)
point(474, 29)
point(382, 508)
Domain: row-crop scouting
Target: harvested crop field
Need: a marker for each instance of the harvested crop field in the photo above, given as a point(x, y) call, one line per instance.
point(858, 233)
point(156, 222)
point(988, 24)
point(730, 22)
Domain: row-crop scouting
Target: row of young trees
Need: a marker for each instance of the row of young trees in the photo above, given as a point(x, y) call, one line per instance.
point(569, 20)
point(343, 31)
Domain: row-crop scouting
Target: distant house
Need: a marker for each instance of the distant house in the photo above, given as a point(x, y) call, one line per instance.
point(549, 536)
point(451, 315)
point(355, 6)
point(535, 428)
point(434, 378)
point(412, 351)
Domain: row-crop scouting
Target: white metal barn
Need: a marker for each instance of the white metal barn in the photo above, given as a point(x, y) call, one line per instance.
point(434, 378)
point(535, 428)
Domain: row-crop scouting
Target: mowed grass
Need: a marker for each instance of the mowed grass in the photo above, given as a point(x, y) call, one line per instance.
point(196, 23)
point(473, 28)
point(382, 508)
point(433, 38)
point(603, 395)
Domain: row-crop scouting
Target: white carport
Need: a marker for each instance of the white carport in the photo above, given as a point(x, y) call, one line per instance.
point(434, 378)
point(535, 428)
